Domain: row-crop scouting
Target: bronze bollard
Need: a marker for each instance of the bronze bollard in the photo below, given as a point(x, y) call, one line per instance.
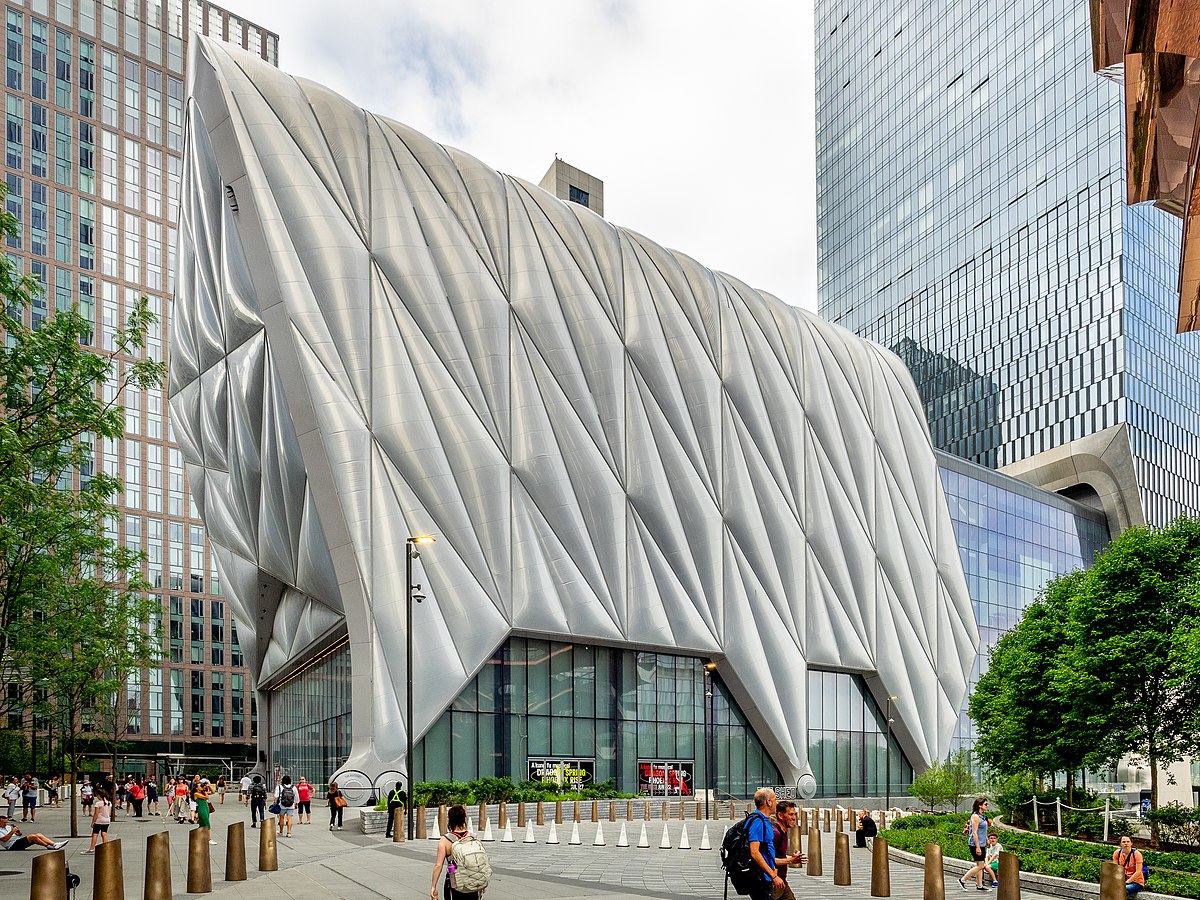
point(612, 810)
point(793, 841)
point(681, 809)
point(235, 852)
point(479, 823)
point(841, 826)
point(935, 879)
point(558, 819)
point(398, 824)
point(732, 811)
point(628, 810)
point(699, 810)
point(595, 811)
point(1010, 877)
point(422, 826)
point(268, 850)
point(520, 813)
point(199, 871)
point(802, 822)
point(814, 851)
point(828, 824)
point(841, 858)
point(1112, 881)
point(158, 867)
point(50, 875)
point(576, 812)
point(646, 810)
point(502, 815)
point(109, 873)
point(441, 820)
point(541, 813)
point(881, 875)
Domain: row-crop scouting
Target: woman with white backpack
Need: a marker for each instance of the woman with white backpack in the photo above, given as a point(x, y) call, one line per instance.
point(467, 866)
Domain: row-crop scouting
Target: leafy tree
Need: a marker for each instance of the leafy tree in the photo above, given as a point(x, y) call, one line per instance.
point(1024, 710)
point(933, 787)
point(72, 602)
point(1127, 671)
point(961, 780)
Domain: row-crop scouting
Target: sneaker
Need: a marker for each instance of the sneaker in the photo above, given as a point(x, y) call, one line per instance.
point(58, 845)
point(89, 851)
point(982, 888)
point(962, 884)
point(995, 884)
point(331, 828)
point(339, 828)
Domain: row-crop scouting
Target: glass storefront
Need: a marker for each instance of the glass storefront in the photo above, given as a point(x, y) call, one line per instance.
point(538, 699)
point(310, 717)
point(847, 734)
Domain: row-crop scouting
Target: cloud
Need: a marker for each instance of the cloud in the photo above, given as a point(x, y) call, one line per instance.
point(697, 115)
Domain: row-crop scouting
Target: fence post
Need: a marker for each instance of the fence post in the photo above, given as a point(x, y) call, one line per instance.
point(1106, 803)
point(1036, 825)
point(1058, 814)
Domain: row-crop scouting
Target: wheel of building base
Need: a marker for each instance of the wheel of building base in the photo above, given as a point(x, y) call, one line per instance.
point(356, 786)
point(385, 782)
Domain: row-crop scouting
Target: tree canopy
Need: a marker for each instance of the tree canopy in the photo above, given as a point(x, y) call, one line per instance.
point(1105, 663)
point(75, 618)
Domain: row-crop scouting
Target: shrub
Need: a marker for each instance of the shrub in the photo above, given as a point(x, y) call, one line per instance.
point(1177, 824)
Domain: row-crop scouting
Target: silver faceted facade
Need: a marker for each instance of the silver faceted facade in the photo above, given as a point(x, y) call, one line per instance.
point(378, 336)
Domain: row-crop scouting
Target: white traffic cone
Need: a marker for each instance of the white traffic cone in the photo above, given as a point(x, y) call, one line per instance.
point(599, 841)
point(552, 837)
point(574, 834)
point(487, 830)
point(665, 843)
point(683, 840)
point(643, 841)
point(704, 842)
point(623, 838)
point(508, 835)
point(529, 837)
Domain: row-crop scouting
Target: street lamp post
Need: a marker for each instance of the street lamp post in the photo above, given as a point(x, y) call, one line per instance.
point(710, 743)
point(887, 749)
point(410, 594)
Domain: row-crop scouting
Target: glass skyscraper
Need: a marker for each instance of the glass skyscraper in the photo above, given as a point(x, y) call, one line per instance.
point(94, 105)
point(970, 187)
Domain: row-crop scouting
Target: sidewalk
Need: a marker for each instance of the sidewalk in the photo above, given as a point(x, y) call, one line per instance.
point(316, 863)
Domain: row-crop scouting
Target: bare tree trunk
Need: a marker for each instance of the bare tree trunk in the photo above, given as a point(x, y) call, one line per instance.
point(1152, 756)
point(74, 783)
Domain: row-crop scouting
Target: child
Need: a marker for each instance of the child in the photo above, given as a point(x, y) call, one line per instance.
point(994, 849)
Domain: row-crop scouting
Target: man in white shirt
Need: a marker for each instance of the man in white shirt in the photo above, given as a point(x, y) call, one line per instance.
point(244, 790)
point(12, 839)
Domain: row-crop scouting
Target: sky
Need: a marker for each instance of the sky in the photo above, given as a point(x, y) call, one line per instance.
point(698, 118)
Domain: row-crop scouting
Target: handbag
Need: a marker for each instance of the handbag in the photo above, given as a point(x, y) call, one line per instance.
point(275, 809)
point(340, 801)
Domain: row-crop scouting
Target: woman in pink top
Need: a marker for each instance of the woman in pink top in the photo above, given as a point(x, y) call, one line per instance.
point(101, 818)
point(304, 792)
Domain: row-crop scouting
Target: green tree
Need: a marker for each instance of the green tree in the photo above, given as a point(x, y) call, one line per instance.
point(933, 787)
point(73, 608)
point(961, 780)
point(1023, 708)
point(1127, 670)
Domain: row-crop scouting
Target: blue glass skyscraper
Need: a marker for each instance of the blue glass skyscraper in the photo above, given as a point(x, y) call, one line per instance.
point(971, 217)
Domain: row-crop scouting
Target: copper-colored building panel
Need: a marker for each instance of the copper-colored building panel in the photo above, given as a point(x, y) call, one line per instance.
point(1108, 32)
point(1162, 96)
point(1178, 25)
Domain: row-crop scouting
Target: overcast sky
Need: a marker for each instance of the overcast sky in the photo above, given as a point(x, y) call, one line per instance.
point(696, 115)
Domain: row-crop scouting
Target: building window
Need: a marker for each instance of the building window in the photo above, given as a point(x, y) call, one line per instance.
point(575, 195)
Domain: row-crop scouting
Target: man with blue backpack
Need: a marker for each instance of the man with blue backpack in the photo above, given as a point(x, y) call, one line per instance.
point(748, 851)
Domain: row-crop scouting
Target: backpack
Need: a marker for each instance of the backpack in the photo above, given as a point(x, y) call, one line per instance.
point(258, 792)
point(287, 796)
point(472, 871)
point(1145, 868)
point(740, 869)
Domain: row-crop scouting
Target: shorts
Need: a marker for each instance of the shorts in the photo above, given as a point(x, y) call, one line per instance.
point(305, 807)
point(977, 853)
point(21, 844)
point(100, 829)
point(29, 803)
point(287, 810)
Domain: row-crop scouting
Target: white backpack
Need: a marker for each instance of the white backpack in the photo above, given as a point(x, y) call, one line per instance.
point(472, 869)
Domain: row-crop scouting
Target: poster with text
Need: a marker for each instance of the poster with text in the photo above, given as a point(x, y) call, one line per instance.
point(572, 773)
point(666, 777)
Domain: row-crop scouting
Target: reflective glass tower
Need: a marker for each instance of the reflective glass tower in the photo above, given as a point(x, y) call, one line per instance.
point(94, 104)
point(970, 188)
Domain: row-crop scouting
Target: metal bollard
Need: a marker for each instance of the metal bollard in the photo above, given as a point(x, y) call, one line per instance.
point(108, 873)
point(158, 867)
point(576, 811)
point(482, 817)
point(520, 813)
point(828, 824)
point(558, 819)
point(541, 813)
point(398, 824)
point(422, 827)
point(841, 821)
point(50, 875)
point(699, 811)
point(841, 858)
point(199, 872)
point(881, 875)
point(935, 879)
point(793, 841)
point(803, 819)
point(612, 810)
point(502, 820)
point(235, 853)
point(814, 851)
point(682, 815)
point(1112, 881)
point(732, 811)
point(646, 810)
point(663, 812)
point(441, 820)
point(268, 849)
point(628, 810)
point(1010, 877)
point(595, 811)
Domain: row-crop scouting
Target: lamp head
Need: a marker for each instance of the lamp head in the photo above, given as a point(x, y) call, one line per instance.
point(422, 539)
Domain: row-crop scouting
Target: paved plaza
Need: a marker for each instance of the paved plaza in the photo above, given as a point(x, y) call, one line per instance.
point(317, 863)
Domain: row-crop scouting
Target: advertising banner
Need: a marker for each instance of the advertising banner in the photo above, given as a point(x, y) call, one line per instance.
point(666, 777)
point(572, 773)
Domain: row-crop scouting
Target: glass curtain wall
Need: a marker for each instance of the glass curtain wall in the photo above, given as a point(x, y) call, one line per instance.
point(540, 699)
point(310, 717)
point(847, 739)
